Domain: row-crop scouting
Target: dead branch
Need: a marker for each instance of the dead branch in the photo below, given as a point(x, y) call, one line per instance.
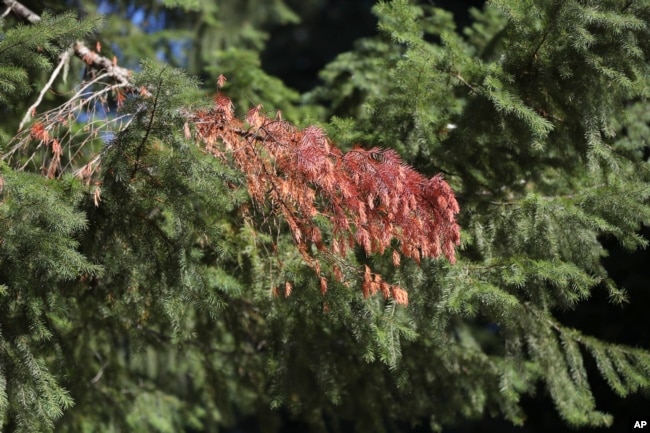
point(21, 11)
point(99, 63)
point(63, 60)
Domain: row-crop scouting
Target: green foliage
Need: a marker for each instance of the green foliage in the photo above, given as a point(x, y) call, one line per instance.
point(533, 119)
point(38, 253)
point(153, 296)
point(25, 49)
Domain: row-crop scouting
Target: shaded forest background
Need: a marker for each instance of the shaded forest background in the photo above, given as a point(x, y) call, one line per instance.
point(296, 53)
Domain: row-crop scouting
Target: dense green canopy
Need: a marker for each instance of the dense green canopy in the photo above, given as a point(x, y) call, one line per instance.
point(171, 264)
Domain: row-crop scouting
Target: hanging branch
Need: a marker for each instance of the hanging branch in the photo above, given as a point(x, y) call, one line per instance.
point(51, 128)
point(371, 197)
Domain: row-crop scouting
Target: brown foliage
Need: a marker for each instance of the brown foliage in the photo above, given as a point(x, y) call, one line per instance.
point(39, 132)
point(372, 198)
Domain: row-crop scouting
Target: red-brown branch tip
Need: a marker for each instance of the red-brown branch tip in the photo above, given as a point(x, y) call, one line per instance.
point(372, 198)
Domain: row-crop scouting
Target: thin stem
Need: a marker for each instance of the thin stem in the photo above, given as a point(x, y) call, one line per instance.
point(149, 127)
point(64, 59)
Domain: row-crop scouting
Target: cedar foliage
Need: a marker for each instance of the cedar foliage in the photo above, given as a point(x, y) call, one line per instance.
point(172, 265)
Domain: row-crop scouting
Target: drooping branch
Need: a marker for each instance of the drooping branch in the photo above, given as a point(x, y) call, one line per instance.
point(371, 197)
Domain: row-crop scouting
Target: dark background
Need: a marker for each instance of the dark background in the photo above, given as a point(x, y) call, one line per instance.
point(296, 53)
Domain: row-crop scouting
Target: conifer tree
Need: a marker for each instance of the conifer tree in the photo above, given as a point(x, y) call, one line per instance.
point(168, 263)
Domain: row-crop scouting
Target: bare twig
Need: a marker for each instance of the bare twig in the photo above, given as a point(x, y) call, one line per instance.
point(64, 59)
point(74, 104)
point(99, 374)
point(462, 80)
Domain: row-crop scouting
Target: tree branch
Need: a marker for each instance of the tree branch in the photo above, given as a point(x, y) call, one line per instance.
point(63, 60)
point(21, 11)
point(94, 61)
point(101, 63)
